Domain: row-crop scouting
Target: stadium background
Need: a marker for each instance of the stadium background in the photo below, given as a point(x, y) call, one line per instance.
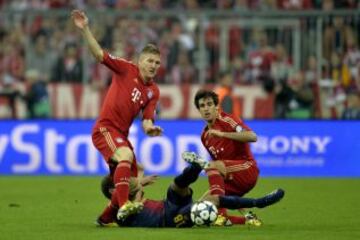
point(275, 51)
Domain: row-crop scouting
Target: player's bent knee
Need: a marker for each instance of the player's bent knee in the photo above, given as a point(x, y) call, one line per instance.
point(220, 166)
point(181, 191)
point(123, 154)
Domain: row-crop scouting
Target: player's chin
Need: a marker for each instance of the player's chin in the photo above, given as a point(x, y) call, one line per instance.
point(151, 74)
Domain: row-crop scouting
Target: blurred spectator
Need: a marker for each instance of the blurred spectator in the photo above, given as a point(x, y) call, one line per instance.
point(37, 97)
point(68, 67)
point(12, 56)
point(191, 4)
point(335, 36)
point(153, 5)
point(241, 5)
point(301, 98)
point(294, 98)
point(267, 5)
point(311, 70)
point(281, 67)
point(260, 57)
point(212, 39)
point(180, 43)
point(352, 110)
point(183, 71)
point(40, 57)
point(339, 72)
point(9, 92)
point(227, 101)
point(295, 4)
point(352, 61)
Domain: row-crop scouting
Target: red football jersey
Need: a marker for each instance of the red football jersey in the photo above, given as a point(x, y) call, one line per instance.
point(224, 148)
point(126, 96)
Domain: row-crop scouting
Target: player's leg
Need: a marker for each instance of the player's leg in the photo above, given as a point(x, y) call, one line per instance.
point(117, 151)
point(215, 171)
point(123, 156)
point(179, 197)
point(236, 202)
point(241, 177)
point(188, 176)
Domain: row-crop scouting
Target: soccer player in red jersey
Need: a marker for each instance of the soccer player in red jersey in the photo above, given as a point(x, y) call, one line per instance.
point(132, 90)
point(233, 170)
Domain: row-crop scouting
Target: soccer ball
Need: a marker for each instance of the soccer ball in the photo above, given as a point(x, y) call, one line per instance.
point(203, 213)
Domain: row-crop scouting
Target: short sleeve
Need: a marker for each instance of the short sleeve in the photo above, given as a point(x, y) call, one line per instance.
point(235, 123)
point(150, 108)
point(240, 125)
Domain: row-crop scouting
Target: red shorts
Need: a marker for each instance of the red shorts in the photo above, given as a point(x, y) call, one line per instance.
point(241, 176)
point(107, 140)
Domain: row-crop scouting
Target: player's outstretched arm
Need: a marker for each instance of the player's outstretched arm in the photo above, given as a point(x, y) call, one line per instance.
point(243, 136)
point(150, 129)
point(81, 21)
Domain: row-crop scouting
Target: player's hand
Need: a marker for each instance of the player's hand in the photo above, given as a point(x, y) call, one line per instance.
point(79, 18)
point(154, 131)
point(148, 180)
point(215, 133)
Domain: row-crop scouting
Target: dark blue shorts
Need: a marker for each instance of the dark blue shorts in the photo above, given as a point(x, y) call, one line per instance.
point(177, 209)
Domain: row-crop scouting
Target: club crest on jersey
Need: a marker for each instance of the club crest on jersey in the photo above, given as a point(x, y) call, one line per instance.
point(150, 94)
point(119, 140)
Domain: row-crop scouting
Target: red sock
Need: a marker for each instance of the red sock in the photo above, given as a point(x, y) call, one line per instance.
point(217, 185)
point(216, 181)
point(109, 213)
point(237, 219)
point(121, 180)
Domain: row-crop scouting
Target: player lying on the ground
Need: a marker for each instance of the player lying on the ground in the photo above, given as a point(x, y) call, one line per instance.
point(175, 210)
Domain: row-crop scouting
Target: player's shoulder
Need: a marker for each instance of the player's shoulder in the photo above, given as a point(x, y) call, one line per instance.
point(228, 119)
point(117, 58)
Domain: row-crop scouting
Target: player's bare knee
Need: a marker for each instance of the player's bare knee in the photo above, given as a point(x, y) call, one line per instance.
point(123, 154)
point(219, 165)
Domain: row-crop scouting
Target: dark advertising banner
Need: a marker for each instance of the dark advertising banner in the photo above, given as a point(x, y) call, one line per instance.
point(284, 148)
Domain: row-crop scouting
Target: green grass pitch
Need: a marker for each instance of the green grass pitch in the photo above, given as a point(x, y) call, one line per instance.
point(65, 208)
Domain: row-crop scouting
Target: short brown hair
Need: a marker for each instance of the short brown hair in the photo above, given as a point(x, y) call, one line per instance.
point(205, 94)
point(150, 48)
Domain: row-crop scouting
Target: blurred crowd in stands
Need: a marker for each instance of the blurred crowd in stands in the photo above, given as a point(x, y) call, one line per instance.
point(41, 48)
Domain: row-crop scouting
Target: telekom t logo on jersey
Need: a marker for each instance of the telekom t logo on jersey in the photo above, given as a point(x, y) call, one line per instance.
point(136, 94)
